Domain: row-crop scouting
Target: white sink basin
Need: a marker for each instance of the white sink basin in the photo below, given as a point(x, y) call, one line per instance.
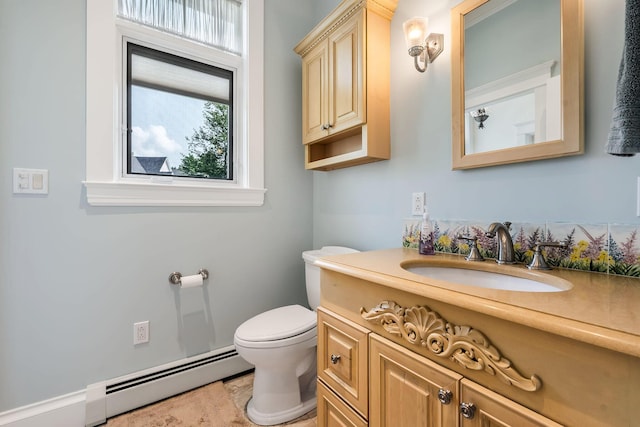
point(488, 280)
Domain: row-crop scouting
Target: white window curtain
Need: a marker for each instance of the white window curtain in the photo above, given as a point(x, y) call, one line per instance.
point(214, 22)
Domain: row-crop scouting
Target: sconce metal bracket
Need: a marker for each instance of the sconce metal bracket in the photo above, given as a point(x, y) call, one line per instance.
point(435, 45)
point(424, 55)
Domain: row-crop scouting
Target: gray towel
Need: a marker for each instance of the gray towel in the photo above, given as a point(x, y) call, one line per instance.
point(624, 135)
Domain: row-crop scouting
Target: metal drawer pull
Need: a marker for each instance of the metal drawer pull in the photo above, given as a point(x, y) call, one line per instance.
point(335, 358)
point(468, 410)
point(445, 396)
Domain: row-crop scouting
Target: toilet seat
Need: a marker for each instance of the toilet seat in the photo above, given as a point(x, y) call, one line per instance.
point(282, 326)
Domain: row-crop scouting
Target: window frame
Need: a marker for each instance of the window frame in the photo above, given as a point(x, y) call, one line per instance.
point(106, 184)
point(131, 47)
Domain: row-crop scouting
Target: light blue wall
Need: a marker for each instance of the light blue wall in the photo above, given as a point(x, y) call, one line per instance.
point(523, 35)
point(74, 278)
point(363, 206)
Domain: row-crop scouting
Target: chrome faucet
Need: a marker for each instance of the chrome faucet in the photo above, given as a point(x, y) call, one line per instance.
point(506, 254)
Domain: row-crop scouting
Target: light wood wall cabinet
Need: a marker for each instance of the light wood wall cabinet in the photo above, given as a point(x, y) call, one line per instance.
point(345, 86)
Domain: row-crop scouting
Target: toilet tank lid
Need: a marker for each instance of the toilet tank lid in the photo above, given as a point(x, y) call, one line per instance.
point(311, 256)
point(276, 324)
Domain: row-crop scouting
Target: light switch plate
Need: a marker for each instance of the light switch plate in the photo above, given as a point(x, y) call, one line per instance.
point(30, 181)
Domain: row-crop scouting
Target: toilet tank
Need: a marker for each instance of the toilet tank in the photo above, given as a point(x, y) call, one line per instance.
point(312, 271)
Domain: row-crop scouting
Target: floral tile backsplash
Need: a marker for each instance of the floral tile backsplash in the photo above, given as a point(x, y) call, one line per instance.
point(602, 248)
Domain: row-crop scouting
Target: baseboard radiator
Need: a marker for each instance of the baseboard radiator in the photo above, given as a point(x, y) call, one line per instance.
point(113, 397)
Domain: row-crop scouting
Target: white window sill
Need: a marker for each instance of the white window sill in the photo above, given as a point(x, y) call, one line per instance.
point(161, 194)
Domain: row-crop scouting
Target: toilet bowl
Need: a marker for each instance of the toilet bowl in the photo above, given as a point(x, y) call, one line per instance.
point(281, 344)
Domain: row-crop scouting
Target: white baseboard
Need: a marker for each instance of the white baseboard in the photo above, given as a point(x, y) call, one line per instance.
point(60, 411)
point(92, 406)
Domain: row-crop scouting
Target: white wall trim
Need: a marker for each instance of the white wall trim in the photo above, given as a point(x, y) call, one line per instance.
point(169, 194)
point(61, 411)
point(522, 81)
point(92, 406)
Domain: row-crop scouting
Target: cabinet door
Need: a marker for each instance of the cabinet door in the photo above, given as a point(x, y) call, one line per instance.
point(484, 408)
point(315, 93)
point(333, 412)
point(346, 75)
point(404, 388)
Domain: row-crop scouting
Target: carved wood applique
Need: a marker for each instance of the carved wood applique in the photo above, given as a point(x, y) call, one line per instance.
point(462, 344)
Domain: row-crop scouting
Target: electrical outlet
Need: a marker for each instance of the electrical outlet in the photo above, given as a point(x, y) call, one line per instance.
point(417, 203)
point(141, 332)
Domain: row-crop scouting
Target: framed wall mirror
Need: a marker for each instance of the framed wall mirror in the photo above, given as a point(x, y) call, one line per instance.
point(517, 81)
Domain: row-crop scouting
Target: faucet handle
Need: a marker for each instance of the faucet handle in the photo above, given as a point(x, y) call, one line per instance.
point(474, 253)
point(538, 262)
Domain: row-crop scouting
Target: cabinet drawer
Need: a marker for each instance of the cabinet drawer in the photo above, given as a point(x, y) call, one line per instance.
point(333, 412)
point(342, 359)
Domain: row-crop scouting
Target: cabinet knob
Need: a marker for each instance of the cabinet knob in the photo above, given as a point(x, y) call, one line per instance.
point(327, 126)
point(468, 410)
point(335, 358)
point(445, 396)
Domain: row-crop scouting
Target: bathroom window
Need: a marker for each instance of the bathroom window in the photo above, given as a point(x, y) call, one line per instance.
point(169, 121)
point(179, 116)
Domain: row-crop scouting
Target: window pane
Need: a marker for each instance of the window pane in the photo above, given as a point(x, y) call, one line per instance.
point(164, 14)
point(215, 22)
point(178, 128)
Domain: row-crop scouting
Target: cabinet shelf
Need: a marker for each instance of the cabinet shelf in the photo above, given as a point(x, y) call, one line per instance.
point(350, 148)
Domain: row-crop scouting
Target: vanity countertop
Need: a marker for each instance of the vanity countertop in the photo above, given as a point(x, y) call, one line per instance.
point(599, 309)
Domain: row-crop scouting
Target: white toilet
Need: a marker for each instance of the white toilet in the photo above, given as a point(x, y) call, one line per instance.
point(281, 344)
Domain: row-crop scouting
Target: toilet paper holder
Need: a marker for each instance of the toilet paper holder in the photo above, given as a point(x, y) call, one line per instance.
point(175, 277)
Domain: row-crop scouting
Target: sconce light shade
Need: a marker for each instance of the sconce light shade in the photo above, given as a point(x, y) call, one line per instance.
point(415, 32)
point(424, 48)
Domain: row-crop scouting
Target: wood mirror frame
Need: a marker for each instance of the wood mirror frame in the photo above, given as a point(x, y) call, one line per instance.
point(572, 83)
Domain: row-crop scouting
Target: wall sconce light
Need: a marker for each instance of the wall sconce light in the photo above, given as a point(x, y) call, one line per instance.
point(424, 48)
point(480, 116)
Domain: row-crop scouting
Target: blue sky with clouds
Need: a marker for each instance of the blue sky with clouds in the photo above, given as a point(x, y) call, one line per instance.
point(161, 121)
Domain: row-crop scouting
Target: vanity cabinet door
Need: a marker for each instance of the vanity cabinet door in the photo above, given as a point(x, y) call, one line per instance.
point(342, 359)
point(333, 412)
point(481, 407)
point(405, 388)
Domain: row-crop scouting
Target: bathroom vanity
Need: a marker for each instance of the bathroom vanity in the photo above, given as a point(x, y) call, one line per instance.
point(397, 348)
